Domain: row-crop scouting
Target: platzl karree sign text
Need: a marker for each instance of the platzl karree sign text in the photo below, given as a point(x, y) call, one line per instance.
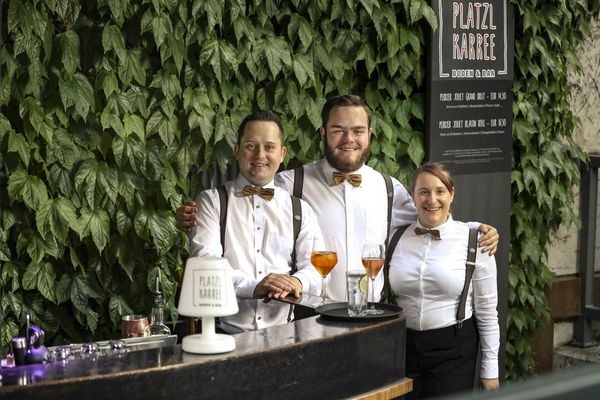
point(470, 81)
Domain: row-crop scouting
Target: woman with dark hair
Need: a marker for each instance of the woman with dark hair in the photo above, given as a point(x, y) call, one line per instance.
point(428, 271)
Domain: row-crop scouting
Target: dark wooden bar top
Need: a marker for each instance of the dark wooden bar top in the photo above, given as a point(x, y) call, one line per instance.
point(309, 358)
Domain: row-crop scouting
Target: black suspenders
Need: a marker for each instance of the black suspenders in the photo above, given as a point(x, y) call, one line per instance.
point(296, 221)
point(469, 268)
point(388, 296)
point(389, 188)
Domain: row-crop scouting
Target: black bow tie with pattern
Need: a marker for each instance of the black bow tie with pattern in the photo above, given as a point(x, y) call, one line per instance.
point(265, 193)
point(353, 179)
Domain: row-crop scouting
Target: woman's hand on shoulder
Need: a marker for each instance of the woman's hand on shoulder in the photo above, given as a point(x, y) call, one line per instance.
point(489, 241)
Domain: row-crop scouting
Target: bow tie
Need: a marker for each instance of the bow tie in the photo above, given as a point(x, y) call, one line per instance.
point(353, 179)
point(265, 193)
point(433, 232)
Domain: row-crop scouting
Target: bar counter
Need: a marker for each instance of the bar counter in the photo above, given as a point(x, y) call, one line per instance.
point(308, 358)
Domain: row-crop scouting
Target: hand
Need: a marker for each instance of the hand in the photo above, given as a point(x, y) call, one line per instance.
point(489, 240)
point(277, 286)
point(186, 216)
point(489, 384)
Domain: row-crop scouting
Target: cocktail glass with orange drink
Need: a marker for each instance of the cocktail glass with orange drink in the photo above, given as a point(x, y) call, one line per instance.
point(323, 258)
point(372, 259)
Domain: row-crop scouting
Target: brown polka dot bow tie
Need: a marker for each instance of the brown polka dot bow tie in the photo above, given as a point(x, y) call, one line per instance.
point(265, 193)
point(433, 232)
point(353, 179)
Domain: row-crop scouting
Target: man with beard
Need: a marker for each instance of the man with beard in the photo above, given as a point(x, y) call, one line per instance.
point(353, 205)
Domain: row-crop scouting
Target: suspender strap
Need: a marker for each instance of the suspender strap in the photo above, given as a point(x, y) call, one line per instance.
point(297, 223)
point(298, 181)
point(386, 295)
point(390, 199)
point(222, 190)
point(470, 267)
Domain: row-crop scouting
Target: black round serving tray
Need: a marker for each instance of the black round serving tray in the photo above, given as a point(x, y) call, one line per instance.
point(339, 312)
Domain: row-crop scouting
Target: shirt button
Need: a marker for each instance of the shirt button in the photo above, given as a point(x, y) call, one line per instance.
point(258, 229)
point(257, 206)
point(258, 251)
point(259, 318)
point(260, 272)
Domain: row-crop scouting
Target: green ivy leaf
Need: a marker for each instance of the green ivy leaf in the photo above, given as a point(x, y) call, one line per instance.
point(91, 318)
point(67, 47)
point(56, 216)
point(416, 150)
point(135, 124)
point(112, 39)
point(32, 108)
point(14, 301)
point(62, 289)
point(117, 307)
point(27, 188)
point(18, 144)
point(160, 227)
point(10, 272)
point(35, 246)
point(123, 253)
point(366, 53)
point(110, 120)
point(303, 68)
point(60, 179)
point(123, 222)
point(79, 292)
point(40, 276)
point(4, 250)
point(161, 28)
point(277, 53)
point(96, 224)
point(76, 91)
point(129, 184)
point(96, 180)
point(8, 330)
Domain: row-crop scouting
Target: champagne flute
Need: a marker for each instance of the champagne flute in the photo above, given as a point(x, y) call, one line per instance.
point(323, 258)
point(372, 259)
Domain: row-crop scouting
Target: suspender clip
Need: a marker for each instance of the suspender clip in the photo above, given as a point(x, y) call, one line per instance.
point(460, 324)
point(471, 263)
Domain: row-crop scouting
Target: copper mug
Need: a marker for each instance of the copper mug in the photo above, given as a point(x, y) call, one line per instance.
point(133, 325)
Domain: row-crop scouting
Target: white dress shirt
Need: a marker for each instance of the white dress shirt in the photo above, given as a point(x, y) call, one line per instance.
point(427, 276)
point(258, 241)
point(354, 215)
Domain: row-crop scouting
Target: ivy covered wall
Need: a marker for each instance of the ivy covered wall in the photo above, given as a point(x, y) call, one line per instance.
point(111, 108)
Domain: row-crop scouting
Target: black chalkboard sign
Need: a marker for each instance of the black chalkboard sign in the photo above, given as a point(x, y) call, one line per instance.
point(469, 119)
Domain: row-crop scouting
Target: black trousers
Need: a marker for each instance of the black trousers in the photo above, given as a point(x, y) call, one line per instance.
point(441, 361)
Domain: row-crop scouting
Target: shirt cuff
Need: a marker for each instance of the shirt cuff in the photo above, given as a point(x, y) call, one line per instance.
point(245, 290)
point(304, 280)
point(489, 369)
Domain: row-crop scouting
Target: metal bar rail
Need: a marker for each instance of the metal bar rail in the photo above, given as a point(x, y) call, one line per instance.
point(583, 336)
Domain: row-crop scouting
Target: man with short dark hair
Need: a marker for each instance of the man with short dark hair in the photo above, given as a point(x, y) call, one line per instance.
point(259, 240)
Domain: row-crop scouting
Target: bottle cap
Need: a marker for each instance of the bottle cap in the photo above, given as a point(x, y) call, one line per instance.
point(19, 342)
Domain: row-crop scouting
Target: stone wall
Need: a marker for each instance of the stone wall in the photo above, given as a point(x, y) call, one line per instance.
point(563, 249)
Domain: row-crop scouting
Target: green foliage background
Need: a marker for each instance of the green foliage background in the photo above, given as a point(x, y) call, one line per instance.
point(110, 109)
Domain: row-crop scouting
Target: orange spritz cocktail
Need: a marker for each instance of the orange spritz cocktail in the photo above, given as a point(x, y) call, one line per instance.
point(372, 266)
point(323, 261)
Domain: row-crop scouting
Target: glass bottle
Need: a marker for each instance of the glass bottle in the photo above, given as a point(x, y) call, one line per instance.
point(157, 325)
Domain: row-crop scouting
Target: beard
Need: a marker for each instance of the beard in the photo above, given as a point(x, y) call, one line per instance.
point(342, 165)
